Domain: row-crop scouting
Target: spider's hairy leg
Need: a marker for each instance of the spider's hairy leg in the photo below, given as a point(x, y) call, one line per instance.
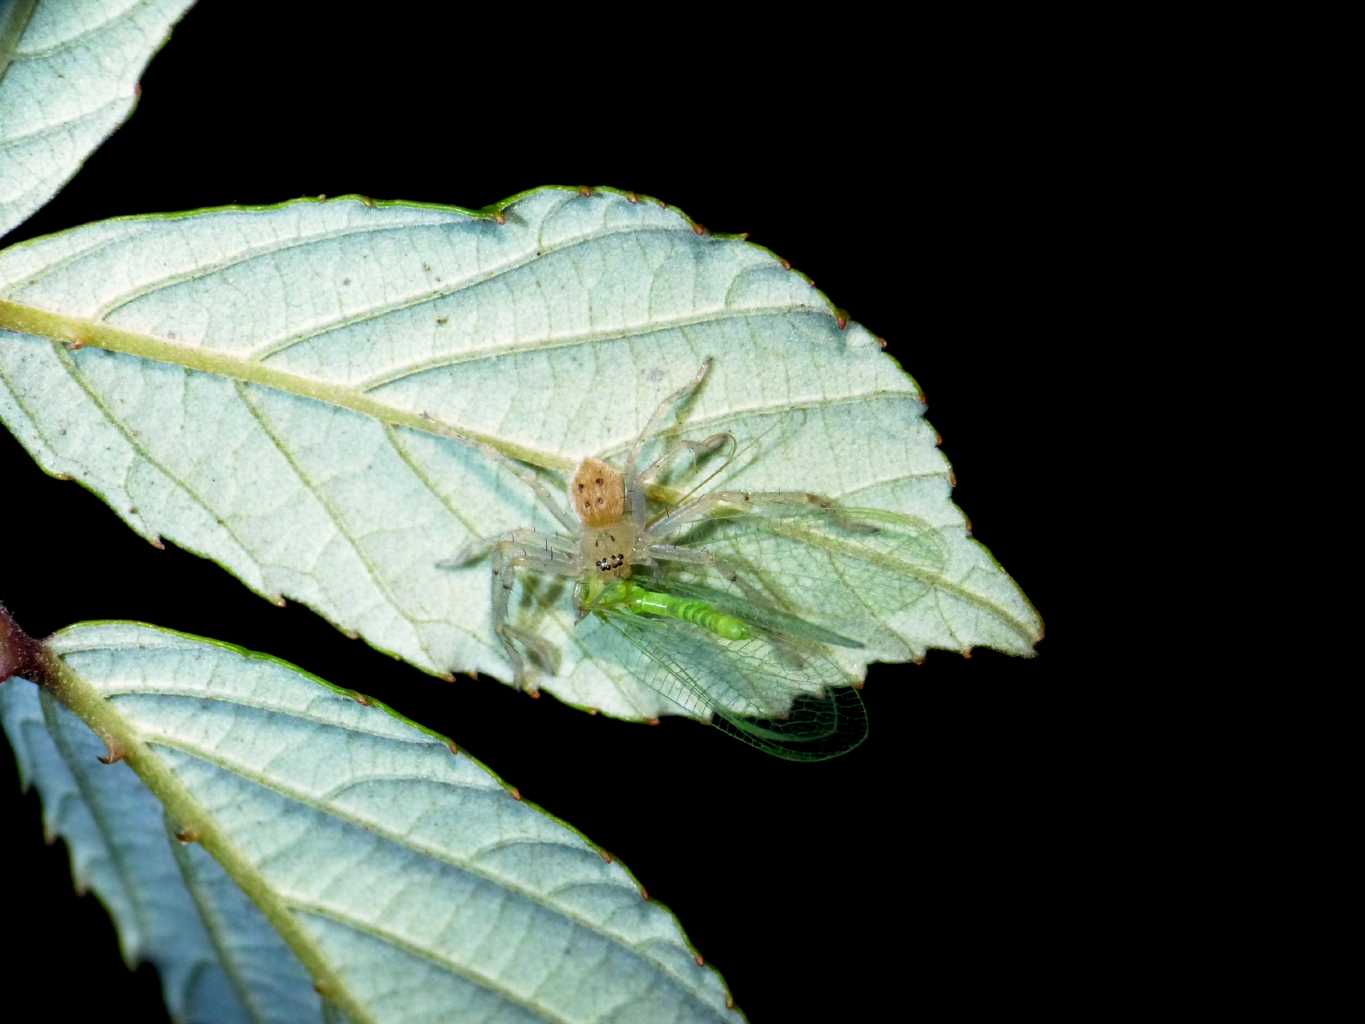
point(731, 503)
point(509, 559)
point(669, 401)
point(562, 515)
point(699, 449)
point(727, 569)
point(551, 545)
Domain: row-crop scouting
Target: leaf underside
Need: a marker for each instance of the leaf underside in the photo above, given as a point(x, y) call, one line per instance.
point(290, 391)
point(68, 79)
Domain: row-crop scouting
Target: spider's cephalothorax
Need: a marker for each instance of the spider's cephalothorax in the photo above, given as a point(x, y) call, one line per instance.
point(598, 495)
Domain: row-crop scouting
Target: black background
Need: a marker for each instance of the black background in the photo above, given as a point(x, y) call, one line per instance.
point(933, 182)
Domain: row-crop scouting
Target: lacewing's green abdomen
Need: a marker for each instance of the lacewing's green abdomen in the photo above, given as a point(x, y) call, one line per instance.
point(632, 597)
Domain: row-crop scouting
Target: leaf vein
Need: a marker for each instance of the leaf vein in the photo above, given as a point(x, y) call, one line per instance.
point(392, 939)
point(380, 584)
point(277, 346)
point(629, 333)
point(80, 36)
point(378, 830)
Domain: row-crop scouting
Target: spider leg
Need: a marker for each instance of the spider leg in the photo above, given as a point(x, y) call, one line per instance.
point(509, 559)
point(728, 569)
point(699, 449)
point(549, 543)
point(669, 401)
point(532, 481)
point(696, 556)
point(731, 503)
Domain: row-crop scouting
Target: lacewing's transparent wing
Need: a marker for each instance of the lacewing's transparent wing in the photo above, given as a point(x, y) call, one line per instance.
point(813, 576)
point(852, 571)
point(780, 693)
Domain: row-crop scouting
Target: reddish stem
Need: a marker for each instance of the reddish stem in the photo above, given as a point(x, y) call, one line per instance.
point(20, 654)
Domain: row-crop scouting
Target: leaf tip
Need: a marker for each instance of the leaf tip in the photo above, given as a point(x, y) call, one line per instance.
point(651, 721)
point(701, 962)
point(841, 318)
point(360, 698)
point(698, 229)
point(632, 197)
point(452, 747)
point(112, 755)
point(585, 191)
point(516, 793)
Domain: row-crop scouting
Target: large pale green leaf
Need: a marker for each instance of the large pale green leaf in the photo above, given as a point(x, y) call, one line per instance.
point(68, 79)
point(411, 882)
point(290, 391)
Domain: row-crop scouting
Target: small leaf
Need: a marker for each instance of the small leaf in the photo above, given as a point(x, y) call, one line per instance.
point(293, 391)
point(408, 879)
point(68, 79)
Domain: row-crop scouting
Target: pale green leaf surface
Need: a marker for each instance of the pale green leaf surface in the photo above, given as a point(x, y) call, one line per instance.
point(409, 879)
point(172, 904)
point(284, 391)
point(68, 79)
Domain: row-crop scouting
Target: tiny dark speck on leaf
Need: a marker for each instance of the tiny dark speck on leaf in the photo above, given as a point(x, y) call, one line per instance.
point(442, 320)
point(345, 280)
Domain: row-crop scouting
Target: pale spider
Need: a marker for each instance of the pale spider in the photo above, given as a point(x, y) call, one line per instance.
point(609, 535)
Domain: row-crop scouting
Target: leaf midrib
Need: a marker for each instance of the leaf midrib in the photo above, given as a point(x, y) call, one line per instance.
point(82, 333)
